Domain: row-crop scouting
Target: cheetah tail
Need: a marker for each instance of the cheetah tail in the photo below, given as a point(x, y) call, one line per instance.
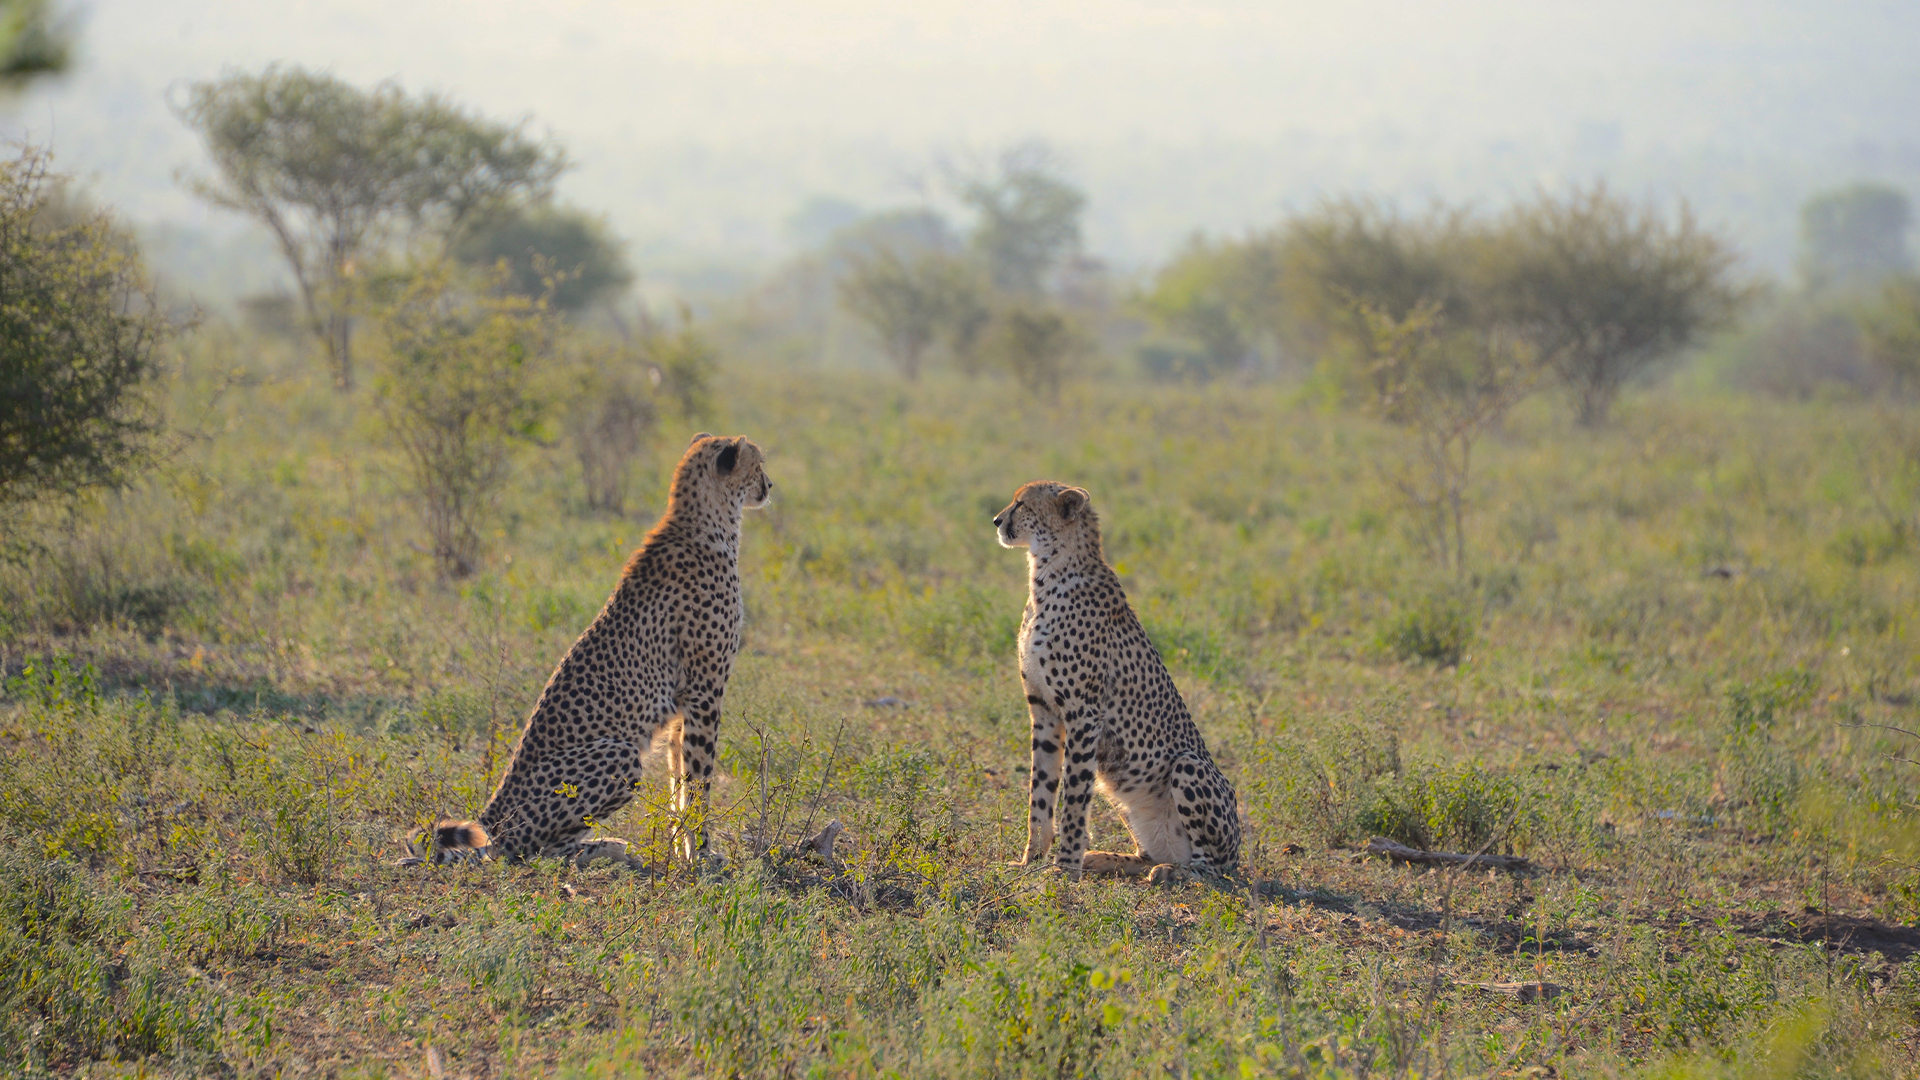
point(449, 834)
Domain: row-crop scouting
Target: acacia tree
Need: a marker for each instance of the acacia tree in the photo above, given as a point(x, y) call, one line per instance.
point(1890, 329)
point(909, 299)
point(1445, 386)
point(1606, 289)
point(1034, 341)
point(333, 171)
point(1350, 256)
point(1028, 218)
point(78, 333)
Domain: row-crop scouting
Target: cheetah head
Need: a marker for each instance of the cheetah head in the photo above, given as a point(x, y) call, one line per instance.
point(733, 466)
point(1043, 514)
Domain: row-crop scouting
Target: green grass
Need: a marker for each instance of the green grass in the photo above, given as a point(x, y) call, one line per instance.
point(1668, 677)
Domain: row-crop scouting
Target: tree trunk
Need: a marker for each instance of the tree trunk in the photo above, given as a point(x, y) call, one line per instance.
point(339, 343)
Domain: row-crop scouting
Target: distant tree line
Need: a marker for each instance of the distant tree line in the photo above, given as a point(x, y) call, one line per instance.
point(1599, 289)
point(1850, 323)
point(985, 302)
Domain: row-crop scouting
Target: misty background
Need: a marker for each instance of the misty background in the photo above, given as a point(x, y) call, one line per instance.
point(721, 138)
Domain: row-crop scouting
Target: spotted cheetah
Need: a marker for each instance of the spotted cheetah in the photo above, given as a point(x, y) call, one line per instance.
point(656, 658)
point(1104, 706)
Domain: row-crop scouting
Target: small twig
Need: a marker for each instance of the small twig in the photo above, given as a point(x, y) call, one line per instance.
point(1885, 727)
point(1399, 852)
point(813, 807)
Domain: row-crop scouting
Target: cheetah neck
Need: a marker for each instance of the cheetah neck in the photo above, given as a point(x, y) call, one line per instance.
point(1051, 564)
point(706, 525)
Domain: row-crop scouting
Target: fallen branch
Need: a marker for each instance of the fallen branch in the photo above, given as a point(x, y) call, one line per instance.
point(1525, 991)
point(1399, 852)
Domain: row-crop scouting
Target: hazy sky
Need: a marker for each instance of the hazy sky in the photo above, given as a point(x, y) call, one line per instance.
point(699, 128)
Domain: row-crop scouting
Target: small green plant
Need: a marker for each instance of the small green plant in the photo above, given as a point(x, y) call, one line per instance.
point(1758, 771)
point(1459, 809)
point(68, 994)
point(502, 961)
point(1439, 627)
point(457, 392)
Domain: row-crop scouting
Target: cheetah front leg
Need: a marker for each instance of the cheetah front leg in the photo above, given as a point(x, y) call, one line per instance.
point(1043, 778)
point(1082, 726)
point(694, 754)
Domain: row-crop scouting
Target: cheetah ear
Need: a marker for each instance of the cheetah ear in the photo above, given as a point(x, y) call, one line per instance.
point(1070, 502)
point(728, 458)
point(701, 435)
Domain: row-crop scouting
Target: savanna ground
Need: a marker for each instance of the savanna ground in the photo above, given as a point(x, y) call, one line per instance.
point(1669, 678)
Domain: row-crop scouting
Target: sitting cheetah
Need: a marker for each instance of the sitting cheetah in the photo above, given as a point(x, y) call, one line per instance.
point(1102, 700)
point(657, 655)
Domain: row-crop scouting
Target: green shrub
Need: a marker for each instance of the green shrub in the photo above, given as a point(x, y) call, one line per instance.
point(741, 979)
point(1456, 809)
point(501, 960)
point(69, 994)
point(1439, 628)
point(1312, 786)
point(1026, 1012)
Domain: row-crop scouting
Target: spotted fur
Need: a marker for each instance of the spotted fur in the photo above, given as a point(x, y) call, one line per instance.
point(1105, 712)
point(656, 659)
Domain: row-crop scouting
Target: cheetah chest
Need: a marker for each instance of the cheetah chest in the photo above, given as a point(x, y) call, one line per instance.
point(1055, 654)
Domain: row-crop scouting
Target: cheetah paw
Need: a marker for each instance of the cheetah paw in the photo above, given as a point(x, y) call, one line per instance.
point(1168, 874)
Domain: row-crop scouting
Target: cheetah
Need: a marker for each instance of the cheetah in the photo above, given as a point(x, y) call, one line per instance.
point(1104, 707)
point(656, 659)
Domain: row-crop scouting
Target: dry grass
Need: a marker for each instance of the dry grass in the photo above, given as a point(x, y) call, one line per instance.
point(1670, 679)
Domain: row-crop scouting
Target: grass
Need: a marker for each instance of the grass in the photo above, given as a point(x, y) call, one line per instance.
point(1671, 678)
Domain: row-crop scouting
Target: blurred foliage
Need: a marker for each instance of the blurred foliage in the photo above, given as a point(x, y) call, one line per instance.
point(1027, 217)
point(911, 299)
point(1036, 343)
point(1891, 329)
point(1197, 299)
point(78, 337)
point(335, 173)
point(34, 42)
point(618, 394)
point(459, 361)
point(1445, 386)
point(565, 254)
point(1605, 289)
point(612, 411)
point(1854, 237)
point(1600, 288)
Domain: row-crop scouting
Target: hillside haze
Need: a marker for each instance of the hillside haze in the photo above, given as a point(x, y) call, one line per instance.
point(701, 130)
